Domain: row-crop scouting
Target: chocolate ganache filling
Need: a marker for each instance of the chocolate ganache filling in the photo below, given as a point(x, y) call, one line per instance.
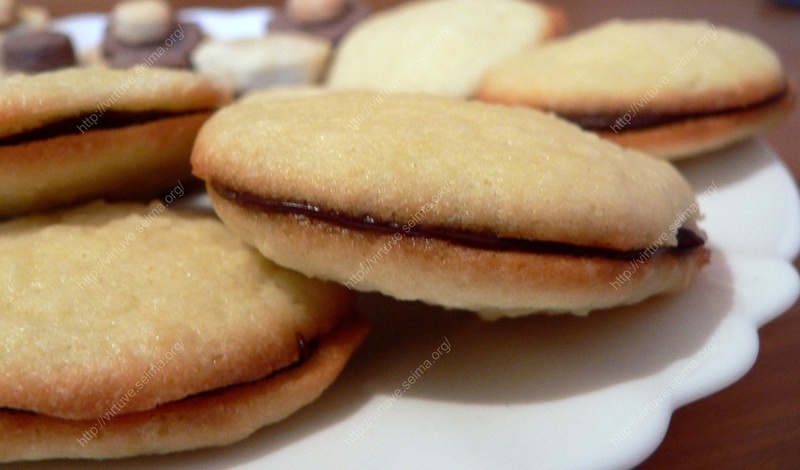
point(644, 119)
point(688, 241)
point(96, 121)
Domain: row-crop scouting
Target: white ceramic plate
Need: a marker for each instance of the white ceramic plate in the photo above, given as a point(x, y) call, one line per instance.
point(548, 391)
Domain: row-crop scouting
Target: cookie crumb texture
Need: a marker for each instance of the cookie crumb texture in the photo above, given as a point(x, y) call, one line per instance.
point(438, 46)
point(93, 298)
point(425, 161)
point(87, 158)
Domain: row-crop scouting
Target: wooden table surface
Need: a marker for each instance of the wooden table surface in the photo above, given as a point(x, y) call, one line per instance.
point(754, 423)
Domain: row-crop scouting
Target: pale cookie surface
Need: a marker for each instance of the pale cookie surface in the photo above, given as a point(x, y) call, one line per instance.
point(513, 172)
point(80, 134)
point(438, 46)
point(676, 66)
point(30, 102)
point(277, 59)
point(420, 162)
point(117, 309)
point(205, 420)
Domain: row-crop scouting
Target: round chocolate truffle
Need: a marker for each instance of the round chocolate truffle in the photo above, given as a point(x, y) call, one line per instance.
point(37, 51)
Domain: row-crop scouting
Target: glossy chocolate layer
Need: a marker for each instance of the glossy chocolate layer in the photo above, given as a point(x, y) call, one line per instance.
point(95, 121)
point(643, 120)
point(688, 241)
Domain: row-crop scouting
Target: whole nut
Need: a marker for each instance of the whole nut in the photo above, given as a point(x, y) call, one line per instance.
point(141, 22)
point(8, 13)
point(314, 11)
point(31, 19)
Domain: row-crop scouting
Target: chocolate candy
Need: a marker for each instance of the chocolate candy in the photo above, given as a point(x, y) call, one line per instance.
point(37, 51)
point(172, 52)
point(333, 29)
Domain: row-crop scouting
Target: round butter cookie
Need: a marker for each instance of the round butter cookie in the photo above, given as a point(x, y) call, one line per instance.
point(82, 133)
point(276, 59)
point(131, 329)
point(500, 210)
point(438, 46)
point(670, 88)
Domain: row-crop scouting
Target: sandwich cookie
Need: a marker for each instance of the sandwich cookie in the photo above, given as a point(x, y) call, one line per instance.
point(130, 329)
point(671, 88)
point(83, 133)
point(500, 210)
point(438, 46)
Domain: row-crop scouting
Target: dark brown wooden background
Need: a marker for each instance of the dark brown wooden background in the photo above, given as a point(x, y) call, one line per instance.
point(755, 423)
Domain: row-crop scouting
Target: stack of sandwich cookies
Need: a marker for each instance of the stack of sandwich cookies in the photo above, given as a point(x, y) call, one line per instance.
point(500, 210)
point(84, 133)
point(137, 330)
point(670, 88)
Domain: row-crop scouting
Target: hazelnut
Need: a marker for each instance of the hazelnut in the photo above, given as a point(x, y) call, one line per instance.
point(314, 11)
point(8, 13)
point(141, 22)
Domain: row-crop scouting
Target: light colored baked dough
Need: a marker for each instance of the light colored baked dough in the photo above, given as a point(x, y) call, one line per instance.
point(692, 137)
point(276, 59)
point(464, 166)
point(32, 101)
point(212, 419)
point(513, 172)
point(493, 283)
point(133, 162)
point(94, 297)
point(649, 67)
point(438, 46)
point(141, 160)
